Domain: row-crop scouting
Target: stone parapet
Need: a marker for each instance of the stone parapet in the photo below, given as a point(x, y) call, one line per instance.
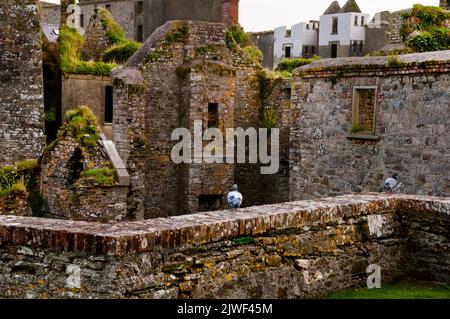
point(301, 249)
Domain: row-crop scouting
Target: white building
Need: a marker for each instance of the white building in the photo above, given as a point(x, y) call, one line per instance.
point(342, 31)
point(299, 41)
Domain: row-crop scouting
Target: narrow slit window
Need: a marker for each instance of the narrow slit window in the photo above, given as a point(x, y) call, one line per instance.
point(109, 104)
point(140, 7)
point(213, 115)
point(335, 25)
point(140, 33)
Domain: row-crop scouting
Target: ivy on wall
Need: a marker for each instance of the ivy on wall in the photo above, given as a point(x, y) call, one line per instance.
point(426, 28)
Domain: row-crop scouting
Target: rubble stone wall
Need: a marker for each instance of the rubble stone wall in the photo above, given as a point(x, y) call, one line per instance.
point(22, 134)
point(329, 157)
point(293, 250)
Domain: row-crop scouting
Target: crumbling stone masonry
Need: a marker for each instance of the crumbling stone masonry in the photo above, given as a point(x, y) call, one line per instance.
point(335, 151)
point(16, 203)
point(140, 19)
point(293, 250)
point(81, 180)
point(185, 72)
point(94, 93)
point(21, 85)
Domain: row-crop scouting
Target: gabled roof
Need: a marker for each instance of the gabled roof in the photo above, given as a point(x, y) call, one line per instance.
point(51, 32)
point(333, 8)
point(351, 6)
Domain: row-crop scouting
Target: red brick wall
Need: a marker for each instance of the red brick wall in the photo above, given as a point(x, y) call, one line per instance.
point(230, 11)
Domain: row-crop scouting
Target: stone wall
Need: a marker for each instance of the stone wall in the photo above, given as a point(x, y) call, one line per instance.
point(70, 195)
point(330, 157)
point(261, 189)
point(93, 90)
point(169, 84)
point(293, 250)
point(21, 88)
point(264, 41)
point(96, 40)
point(158, 12)
point(15, 203)
point(50, 13)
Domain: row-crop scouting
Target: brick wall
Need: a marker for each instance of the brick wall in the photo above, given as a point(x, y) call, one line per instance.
point(293, 250)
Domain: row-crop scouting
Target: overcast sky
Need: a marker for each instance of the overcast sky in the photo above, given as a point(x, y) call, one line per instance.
point(260, 15)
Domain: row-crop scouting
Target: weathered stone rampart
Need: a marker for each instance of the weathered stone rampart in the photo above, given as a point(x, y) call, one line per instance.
point(300, 249)
point(331, 154)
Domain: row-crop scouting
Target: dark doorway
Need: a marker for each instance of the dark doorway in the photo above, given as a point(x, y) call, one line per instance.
point(75, 167)
point(287, 52)
point(208, 203)
point(334, 50)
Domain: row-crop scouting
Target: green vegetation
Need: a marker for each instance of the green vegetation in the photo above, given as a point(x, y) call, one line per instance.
point(269, 118)
point(17, 178)
point(244, 241)
point(50, 116)
point(356, 128)
point(70, 44)
point(267, 81)
point(82, 125)
point(177, 35)
point(289, 65)
point(120, 53)
point(102, 176)
point(394, 61)
point(425, 28)
point(395, 292)
point(237, 39)
point(114, 31)
point(253, 54)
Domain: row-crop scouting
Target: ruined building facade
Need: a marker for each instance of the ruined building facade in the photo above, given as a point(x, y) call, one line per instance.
point(358, 121)
point(139, 18)
point(21, 83)
point(171, 84)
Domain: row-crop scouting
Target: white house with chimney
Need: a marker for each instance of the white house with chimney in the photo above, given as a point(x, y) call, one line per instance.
point(342, 31)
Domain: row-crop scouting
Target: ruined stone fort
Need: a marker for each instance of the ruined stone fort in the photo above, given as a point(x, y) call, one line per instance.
point(93, 206)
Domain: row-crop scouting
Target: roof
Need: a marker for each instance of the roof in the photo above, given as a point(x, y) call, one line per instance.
point(334, 8)
point(436, 56)
point(351, 6)
point(51, 32)
point(48, 4)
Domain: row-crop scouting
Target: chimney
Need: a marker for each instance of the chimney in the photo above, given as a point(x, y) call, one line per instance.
point(230, 12)
point(64, 14)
